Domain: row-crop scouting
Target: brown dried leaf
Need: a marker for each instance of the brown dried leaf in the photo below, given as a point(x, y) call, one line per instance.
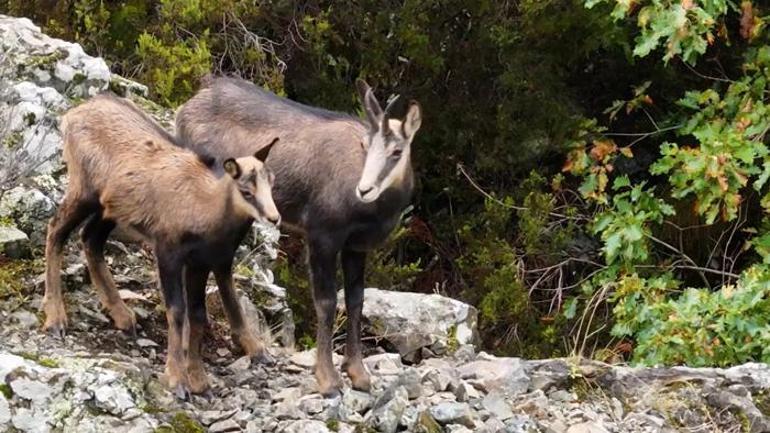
point(602, 148)
point(747, 20)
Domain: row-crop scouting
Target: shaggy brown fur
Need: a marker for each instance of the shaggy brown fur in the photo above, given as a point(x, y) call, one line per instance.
point(125, 170)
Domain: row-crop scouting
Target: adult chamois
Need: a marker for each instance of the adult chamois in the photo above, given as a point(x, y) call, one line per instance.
point(125, 170)
point(340, 181)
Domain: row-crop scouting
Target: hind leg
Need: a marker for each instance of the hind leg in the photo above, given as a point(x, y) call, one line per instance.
point(72, 211)
point(94, 236)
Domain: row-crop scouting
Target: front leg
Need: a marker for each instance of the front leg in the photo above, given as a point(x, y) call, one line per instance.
point(353, 263)
point(242, 333)
point(170, 270)
point(195, 282)
point(323, 261)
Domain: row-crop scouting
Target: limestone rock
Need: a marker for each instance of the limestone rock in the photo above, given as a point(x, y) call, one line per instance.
point(411, 321)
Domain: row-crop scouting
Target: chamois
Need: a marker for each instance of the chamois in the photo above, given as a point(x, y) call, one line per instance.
point(126, 171)
point(340, 181)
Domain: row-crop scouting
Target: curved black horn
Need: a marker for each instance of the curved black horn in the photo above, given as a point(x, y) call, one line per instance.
point(386, 113)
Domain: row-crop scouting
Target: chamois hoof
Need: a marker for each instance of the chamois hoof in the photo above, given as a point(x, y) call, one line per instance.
point(58, 330)
point(331, 393)
point(182, 393)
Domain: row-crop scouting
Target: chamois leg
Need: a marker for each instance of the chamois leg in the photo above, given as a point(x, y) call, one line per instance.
point(94, 236)
point(353, 268)
point(195, 286)
point(323, 260)
point(170, 270)
point(72, 211)
point(242, 333)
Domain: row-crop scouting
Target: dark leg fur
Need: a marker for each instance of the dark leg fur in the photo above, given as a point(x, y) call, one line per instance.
point(323, 261)
point(250, 344)
point(195, 282)
point(353, 268)
point(72, 211)
point(94, 236)
point(170, 270)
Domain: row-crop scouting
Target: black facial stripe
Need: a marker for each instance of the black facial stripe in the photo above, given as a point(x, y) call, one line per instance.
point(390, 164)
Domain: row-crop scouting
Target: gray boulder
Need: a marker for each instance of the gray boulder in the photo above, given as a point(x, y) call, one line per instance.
point(410, 321)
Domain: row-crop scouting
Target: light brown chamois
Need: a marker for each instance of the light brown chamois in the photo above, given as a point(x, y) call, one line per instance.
point(340, 181)
point(125, 170)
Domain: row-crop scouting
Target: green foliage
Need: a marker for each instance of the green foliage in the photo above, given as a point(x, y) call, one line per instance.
point(625, 226)
point(174, 69)
point(698, 327)
point(685, 28)
point(731, 152)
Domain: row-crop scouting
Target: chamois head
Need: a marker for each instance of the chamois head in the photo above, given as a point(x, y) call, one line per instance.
point(254, 181)
point(387, 144)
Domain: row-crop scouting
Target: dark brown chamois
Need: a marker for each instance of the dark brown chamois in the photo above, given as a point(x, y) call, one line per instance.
point(340, 181)
point(125, 170)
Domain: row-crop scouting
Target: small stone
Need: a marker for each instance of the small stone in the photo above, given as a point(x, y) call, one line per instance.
point(457, 428)
point(464, 392)
point(307, 426)
point(13, 242)
point(504, 374)
point(495, 403)
point(223, 426)
point(290, 394)
point(30, 422)
point(114, 399)
point(563, 395)
point(223, 352)
point(388, 409)
point(311, 405)
point(145, 342)
point(587, 427)
point(25, 319)
point(208, 417)
point(287, 410)
point(410, 379)
point(384, 364)
point(355, 402)
point(453, 413)
point(5, 412)
point(438, 378)
point(241, 364)
point(306, 358)
point(32, 390)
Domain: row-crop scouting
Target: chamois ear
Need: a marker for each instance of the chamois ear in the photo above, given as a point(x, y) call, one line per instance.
point(232, 168)
point(261, 154)
point(371, 106)
point(413, 120)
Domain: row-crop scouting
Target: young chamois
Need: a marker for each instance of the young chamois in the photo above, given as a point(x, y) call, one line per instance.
point(340, 181)
point(125, 170)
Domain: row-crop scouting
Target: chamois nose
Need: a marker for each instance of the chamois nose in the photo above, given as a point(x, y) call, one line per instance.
point(364, 191)
point(275, 220)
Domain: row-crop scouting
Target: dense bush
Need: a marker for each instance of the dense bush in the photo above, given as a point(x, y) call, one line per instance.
point(593, 173)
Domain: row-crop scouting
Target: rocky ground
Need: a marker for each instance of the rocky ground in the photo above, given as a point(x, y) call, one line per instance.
point(427, 376)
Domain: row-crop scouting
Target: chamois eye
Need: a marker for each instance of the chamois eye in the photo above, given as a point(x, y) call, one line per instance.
point(247, 194)
point(397, 153)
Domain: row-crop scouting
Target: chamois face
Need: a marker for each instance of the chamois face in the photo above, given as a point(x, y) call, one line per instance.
point(387, 144)
point(254, 182)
